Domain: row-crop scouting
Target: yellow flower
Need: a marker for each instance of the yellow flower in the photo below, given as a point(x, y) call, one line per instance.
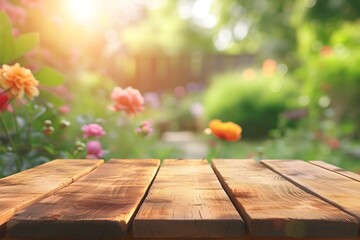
point(228, 131)
point(17, 81)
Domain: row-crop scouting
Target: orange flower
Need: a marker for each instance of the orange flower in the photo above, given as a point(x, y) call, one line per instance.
point(228, 131)
point(249, 73)
point(269, 67)
point(17, 81)
point(128, 100)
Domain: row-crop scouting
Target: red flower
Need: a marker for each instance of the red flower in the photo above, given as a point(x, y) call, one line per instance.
point(333, 143)
point(4, 101)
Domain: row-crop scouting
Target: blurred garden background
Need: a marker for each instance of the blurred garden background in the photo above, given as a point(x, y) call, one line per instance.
point(287, 72)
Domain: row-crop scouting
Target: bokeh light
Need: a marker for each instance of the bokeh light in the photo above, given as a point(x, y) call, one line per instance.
point(83, 11)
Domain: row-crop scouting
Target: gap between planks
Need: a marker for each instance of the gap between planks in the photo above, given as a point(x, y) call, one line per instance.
point(337, 190)
point(187, 201)
point(273, 206)
point(336, 169)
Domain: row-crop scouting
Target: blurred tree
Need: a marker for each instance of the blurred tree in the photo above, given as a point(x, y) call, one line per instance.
point(329, 10)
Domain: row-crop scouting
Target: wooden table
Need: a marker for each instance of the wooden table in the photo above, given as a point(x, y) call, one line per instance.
point(138, 198)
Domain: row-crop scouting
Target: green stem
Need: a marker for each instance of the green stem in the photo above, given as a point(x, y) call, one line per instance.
point(29, 130)
point(16, 125)
point(131, 147)
point(219, 150)
point(6, 131)
point(3, 125)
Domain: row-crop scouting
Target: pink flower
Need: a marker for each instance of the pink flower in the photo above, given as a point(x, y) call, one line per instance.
point(64, 110)
point(94, 150)
point(144, 129)
point(17, 14)
point(93, 130)
point(128, 100)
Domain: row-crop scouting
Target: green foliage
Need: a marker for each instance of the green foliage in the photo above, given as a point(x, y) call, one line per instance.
point(177, 113)
point(24, 43)
point(312, 140)
point(49, 77)
point(13, 48)
point(334, 10)
point(252, 102)
point(332, 76)
point(6, 39)
point(23, 141)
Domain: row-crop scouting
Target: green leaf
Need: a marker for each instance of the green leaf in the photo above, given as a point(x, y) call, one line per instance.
point(24, 43)
point(49, 150)
point(39, 110)
point(6, 39)
point(49, 77)
point(55, 100)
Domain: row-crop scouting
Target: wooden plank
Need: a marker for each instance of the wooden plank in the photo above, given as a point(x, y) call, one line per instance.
point(271, 206)
point(187, 201)
point(338, 190)
point(24, 188)
point(336, 169)
point(98, 206)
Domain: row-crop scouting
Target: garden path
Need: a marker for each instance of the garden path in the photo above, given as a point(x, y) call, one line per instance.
point(190, 145)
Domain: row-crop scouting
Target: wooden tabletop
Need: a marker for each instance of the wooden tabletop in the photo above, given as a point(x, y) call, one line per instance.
point(183, 199)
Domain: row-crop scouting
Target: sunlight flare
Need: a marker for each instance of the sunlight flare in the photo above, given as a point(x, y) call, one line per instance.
point(83, 11)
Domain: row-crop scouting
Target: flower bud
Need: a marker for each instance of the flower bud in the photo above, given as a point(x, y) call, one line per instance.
point(47, 130)
point(79, 144)
point(144, 129)
point(48, 123)
point(64, 124)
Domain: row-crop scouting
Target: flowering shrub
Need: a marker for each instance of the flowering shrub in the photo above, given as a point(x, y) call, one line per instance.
point(37, 126)
point(24, 133)
point(253, 98)
point(35, 123)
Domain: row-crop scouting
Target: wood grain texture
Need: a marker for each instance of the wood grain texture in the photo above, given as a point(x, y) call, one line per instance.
point(336, 169)
point(271, 206)
point(98, 206)
point(24, 188)
point(338, 190)
point(187, 201)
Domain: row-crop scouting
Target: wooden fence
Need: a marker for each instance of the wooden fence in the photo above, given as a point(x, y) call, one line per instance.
point(160, 72)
